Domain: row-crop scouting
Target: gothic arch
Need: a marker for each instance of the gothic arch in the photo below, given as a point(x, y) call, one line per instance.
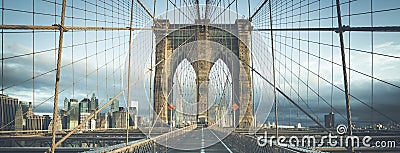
point(169, 56)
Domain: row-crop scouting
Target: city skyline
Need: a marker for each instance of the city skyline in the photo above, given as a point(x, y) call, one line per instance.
point(385, 96)
point(199, 75)
point(41, 89)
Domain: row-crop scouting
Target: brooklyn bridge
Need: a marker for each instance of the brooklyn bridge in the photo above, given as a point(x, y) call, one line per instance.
point(200, 76)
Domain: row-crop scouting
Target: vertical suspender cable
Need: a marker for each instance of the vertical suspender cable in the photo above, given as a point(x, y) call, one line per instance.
point(151, 63)
point(273, 69)
point(129, 72)
point(237, 11)
point(33, 54)
point(2, 62)
point(249, 8)
point(345, 81)
point(55, 111)
point(372, 65)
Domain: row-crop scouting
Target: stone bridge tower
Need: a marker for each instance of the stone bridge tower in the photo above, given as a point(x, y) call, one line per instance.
point(167, 41)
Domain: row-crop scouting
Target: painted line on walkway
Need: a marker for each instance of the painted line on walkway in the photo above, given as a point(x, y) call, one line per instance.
point(202, 141)
point(227, 148)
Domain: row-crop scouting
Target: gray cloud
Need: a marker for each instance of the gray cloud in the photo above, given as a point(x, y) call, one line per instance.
point(386, 97)
point(19, 69)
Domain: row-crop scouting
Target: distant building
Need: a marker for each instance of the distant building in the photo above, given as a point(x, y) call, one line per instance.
point(94, 103)
point(19, 119)
point(101, 121)
point(64, 119)
point(59, 126)
point(73, 114)
point(36, 122)
point(84, 105)
point(27, 108)
point(94, 106)
point(133, 111)
point(85, 108)
point(119, 119)
point(76, 112)
point(92, 124)
point(298, 125)
point(140, 121)
point(8, 109)
point(83, 117)
point(109, 120)
point(25, 112)
point(66, 104)
point(330, 120)
point(114, 106)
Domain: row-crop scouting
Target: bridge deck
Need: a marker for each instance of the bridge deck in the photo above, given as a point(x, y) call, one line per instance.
point(200, 140)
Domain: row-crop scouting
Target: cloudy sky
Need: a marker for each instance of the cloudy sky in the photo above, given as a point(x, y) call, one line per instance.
point(103, 71)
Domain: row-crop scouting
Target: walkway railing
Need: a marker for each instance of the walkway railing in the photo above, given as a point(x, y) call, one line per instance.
point(145, 145)
point(246, 143)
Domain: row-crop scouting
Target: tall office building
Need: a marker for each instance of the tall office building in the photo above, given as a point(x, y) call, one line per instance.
point(66, 102)
point(114, 106)
point(29, 111)
point(109, 119)
point(94, 103)
point(64, 119)
point(19, 119)
point(59, 126)
point(64, 114)
point(84, 105)
point(83, 117)
point(119, 118)
point(46, 122)
point(101, 121)
point(24, 111)
point(330, 120)
point(8, 109)
point(133, 113)
point(27, 108)
point(73, 113)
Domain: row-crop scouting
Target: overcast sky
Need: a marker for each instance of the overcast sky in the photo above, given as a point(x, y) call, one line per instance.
point(102, 75)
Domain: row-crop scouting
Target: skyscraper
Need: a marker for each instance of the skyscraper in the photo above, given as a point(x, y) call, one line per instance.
point(84, 105)
point(59, 126)
point(73, 113)
point(8, 109)
point(64, 119)
point(94, 103)
point(101, 121)
point(29, 111)
point(93, 107)
point(330, 120)
point(119, 118)
point(114, 106)
point(26, 106)
point(19, 119)
point(66, 101)
point(133, 112)
point(83, 117)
